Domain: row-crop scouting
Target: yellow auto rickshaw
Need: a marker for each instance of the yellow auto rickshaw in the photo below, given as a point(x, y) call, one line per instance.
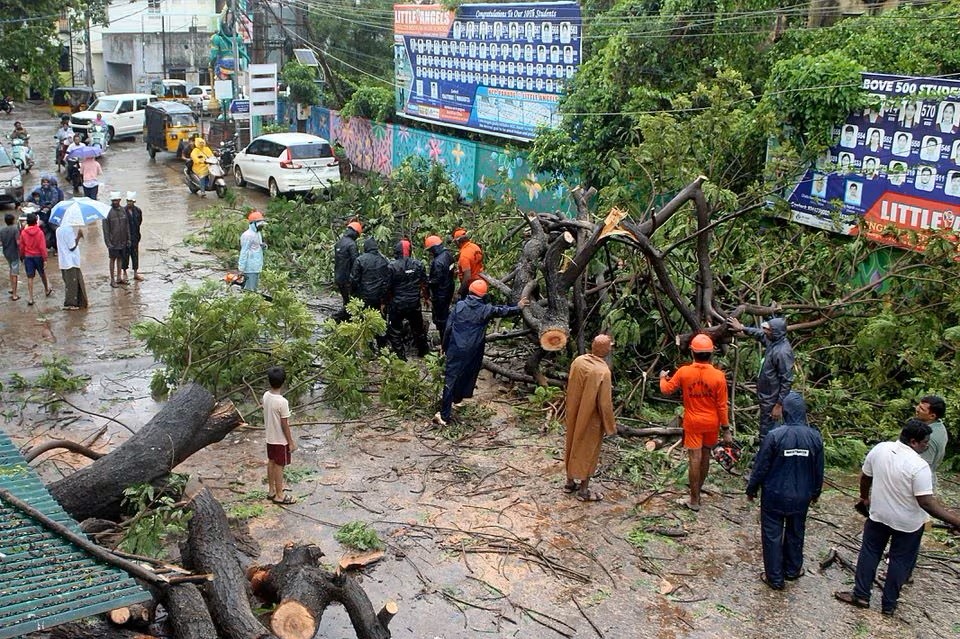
point(70, 100)
point(167, 124)
point(168, 89)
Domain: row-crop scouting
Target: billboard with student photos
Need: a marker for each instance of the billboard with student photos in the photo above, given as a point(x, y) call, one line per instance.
point(492, 68)
point(893, 173)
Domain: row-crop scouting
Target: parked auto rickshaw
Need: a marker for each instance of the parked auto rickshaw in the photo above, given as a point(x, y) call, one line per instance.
point(70, 100)
point(167, 124)
point(168, 89)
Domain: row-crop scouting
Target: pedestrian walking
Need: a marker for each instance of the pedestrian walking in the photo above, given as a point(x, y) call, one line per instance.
point(439, 281)
point(705, 412)
point(68, 255)
point(463, 344)
point(788, 472)
point(469, 261)
point(896, 489)
point(116, 235)
point(776, 372)
point(408, 283)
point(251, 251)
point(135, 216)
point(280, 442)
point(345, 255)
point(33, 252)
point(90, 172)
point(10, 241)
point(588, 417)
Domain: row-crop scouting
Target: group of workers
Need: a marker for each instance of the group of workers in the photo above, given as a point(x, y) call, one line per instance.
point(896, 483)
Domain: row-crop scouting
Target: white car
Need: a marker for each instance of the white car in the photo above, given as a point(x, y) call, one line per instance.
point(201, 97)
point(123, 113)
point(287, 163)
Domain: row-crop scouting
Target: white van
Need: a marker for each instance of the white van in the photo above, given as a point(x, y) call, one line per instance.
point(123, 113)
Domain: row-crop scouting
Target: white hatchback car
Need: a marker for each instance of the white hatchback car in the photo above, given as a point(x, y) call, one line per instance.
point(287, 163)
point(201, 97)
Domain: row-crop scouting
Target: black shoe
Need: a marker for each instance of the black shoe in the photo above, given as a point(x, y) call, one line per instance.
point(763, 578)
point(793, 577)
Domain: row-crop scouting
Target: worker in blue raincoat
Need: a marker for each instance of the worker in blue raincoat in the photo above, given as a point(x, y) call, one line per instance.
point(789, 470)
point(776, 372)
point(463, 343)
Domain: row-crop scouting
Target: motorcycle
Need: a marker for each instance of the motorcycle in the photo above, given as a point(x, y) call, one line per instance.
point(99, 137)
point(217, 182)
point(228, 152)
point(61, 152)
point(73, 173)
point(20, 154)
point(43, 221)
point(6, 104)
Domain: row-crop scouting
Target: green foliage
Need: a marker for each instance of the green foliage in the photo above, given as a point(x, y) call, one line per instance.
point(346, 351)
point(409, 387)
point(648, 469)
point(275, 127)
point(58, 377)
point(245, 510)
point(157, 515)
point(301, 82)
point(359, 536)
point(372, 102)
point(226, 339)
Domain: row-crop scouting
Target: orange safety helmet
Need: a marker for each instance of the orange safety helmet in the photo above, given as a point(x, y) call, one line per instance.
point(478, 288)
point(356, 226)
point(701, 344)
point(458, 233)
point(431, 241)
point(255, 216)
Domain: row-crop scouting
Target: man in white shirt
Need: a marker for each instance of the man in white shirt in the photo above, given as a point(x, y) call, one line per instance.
point(896, 488)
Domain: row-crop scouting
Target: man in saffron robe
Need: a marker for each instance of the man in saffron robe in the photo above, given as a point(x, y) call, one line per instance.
point(589, 416)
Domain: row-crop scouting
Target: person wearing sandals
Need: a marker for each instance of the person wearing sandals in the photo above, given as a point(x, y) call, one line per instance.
point(896, 491)
point(789, 469)
point(10, 240)
point(705, 411)
point(33, 252)
point(116, 235)
point(68, 254)
point(280, 444)
point(589, 416)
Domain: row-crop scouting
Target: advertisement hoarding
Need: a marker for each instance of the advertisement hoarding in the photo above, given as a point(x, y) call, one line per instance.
point(893, 173)
point(493, 68)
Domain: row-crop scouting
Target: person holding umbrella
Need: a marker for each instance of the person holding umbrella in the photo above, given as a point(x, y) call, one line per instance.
point(68, 254)
point(90, 170)
point(116, 235)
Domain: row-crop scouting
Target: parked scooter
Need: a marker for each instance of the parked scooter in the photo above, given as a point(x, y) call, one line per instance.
point(228, 152)
point(6, 104)
point(73, 173)
point(217, 182)
point(20, 154)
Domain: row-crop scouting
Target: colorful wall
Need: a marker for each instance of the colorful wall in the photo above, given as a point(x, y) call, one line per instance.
point(479, 170)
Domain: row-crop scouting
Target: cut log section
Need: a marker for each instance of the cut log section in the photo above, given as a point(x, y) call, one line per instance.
point(304, 590)
point(188, 613)
point(136, 615)
point(554, 338)
point(188, 422)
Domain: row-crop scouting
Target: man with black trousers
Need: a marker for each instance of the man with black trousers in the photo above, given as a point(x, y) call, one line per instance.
point(408, 281)
point(440, 281)
point(789, 469)
point(344, 257)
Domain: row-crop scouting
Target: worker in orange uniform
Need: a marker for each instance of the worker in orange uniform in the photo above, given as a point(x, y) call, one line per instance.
point(470, 261)
point(705, 412)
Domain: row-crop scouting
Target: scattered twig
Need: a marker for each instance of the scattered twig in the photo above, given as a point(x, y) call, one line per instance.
point(584, 615)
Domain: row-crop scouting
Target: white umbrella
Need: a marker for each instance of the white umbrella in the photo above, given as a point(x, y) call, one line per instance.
point(79, 211)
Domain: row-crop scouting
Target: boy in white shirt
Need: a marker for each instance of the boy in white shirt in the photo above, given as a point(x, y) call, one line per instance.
point(280, 444)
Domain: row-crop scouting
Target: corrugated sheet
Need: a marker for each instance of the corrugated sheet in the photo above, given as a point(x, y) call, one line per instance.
point(44, 579)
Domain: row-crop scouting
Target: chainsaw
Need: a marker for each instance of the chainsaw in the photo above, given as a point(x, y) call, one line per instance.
point(727, 455)
point(237, 279)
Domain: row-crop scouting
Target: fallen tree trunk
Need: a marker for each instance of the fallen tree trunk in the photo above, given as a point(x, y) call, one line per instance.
point(210, 548)
point(304, 590)
point(187, 612)
point(654, 431)
point(95, 627)
point(188, 422)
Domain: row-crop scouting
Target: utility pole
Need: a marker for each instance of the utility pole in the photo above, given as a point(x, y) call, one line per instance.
point(88, 61)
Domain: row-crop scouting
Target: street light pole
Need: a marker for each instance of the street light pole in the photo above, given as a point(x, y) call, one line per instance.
point(88, 56)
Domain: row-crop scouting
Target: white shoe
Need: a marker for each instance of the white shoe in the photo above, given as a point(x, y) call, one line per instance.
point(437, 419)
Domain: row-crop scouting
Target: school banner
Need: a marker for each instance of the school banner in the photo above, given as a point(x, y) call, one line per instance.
point(893, 173)
point(492, 68)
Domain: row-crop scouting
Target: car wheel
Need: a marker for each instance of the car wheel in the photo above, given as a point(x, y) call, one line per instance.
point(238, 177)
point(273, 188)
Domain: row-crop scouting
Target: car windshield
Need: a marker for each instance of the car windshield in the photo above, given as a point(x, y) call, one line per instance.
point(310, 151)
point(104, 106)
point(181, 119)
point(4, 158)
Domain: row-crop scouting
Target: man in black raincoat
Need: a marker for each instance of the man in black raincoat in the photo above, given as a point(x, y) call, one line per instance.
point(440, 281)
point(776, 373)
point(344, 257)
point(408, 282)
point(789, 469)
point(464, 342)
point(370, 276)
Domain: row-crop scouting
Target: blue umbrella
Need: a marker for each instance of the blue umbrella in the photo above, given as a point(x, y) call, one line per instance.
point(78, 212)
point(83, 152)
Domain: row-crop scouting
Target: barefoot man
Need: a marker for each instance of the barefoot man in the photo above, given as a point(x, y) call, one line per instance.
point(589, 415)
